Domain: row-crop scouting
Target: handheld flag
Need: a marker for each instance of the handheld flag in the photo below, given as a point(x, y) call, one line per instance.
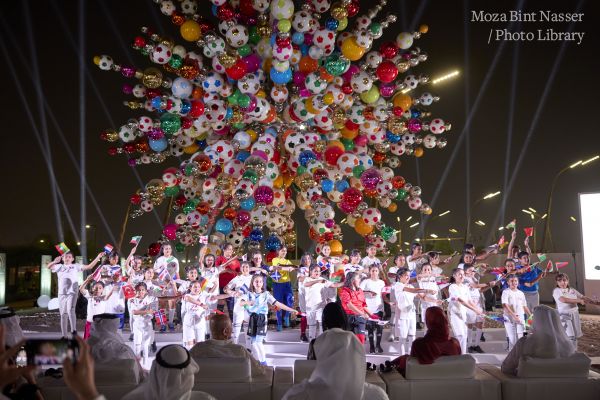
point(203, 284)
point(561, 264)
point(135, 240)
point(128, 291)
point(276, 275)
point(108, 248)
point(337, 276)
point(243, 289)
point(541, 257)
point(529, 321)
point(549, 266)
point(203, 240)
point(497, 318)
point(97, 273)
point(512, 224)
point(386, 290)
point(160, 317)
point(62, 248)
point(163, 274)
point(528, 231)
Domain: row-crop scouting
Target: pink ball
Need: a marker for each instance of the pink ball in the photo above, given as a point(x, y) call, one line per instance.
point(252, 62)
point(360, 140)
point(264, 195)
point(370, 178)
point(170, 231)
point(387, 89)
point(414, 125)
point(353, 70)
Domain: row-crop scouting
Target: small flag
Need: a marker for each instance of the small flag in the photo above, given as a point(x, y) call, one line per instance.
point(541, 257)
point(135, 240)
point(108, 248)
point(128, 291)
point(528, 231)
point(203, 283)
point(62, 248)
point(512, 224)
point(549, 266)
point(443, 285)
point(386, 290)
point(276, 275)
point(163, 274)
point(561, 264)
point(203, 240)
point(97, 273)
point(160, 317)
point(337, 276)
point(528, 321)
point(496, 318)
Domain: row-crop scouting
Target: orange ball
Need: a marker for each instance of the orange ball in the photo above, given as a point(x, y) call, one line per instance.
point(371, 193)
point(336, 143)
point(308, 64)
point(362, 228)
point(348, 133)
point(336, 247)
point(419, 152)
point(392, 207)
point(203, 207)
point(378, 158)
point(229, 213)
point(402, 100)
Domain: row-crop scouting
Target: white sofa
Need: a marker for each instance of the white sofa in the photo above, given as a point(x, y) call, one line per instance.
point(550, 379)
point(448, 378)
point(113, 380)
point(285, 377)
point(231, 379)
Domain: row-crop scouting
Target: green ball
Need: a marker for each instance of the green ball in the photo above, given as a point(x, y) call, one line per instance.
point(244, 50)
point(336, 65)
point(348, 144)
point(251, 175)
point(284, 25)
point(300, 170)
point(179, 247)
point(171, 191)
point(170, 123)
point(176, 61)
point(402, 194)
point(253, 37)
point(190, 205)
point(387, 232)
point(342, 24)
point(371, 95)
point(239, 126)
point(375, 28)
point(358, 171)
point(244, 101)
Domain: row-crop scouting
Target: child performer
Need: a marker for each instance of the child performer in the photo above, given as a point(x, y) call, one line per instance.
point(143, 307)
point(96, 302)
point(134, 267)
point(115, 304)
point(282, 287)
point(474, 320)
point(229, 266)
point(328, 264)
point(405, 294)
point(459, 302)
point(370, 258)
point(112, 268)
point(354, 264)
point(515, 307)
point(303, 273)
point(68, 286)
point(372, 288)
point(566, 299)
point(257, 301)
point(191, 274)
point(316, 300)
point(167, 266)
point(193, 314)
point(427, 280)
point(238, 287)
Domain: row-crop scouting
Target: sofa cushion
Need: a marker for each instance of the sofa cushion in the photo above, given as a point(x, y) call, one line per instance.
point(575, 366)
point(117, 372)
point(225, 369)
point(447, 367)
point(303, 369)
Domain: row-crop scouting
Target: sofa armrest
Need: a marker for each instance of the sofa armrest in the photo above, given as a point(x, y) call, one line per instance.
point(283, 380)
point(374, 378)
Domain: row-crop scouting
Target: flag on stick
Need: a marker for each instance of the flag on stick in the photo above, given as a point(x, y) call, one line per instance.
point(97, 274)
point(108, 248)
point(541, 257)
point(128, 291)
point(163, 274)
point(337, 276)
point(501, 242)
point(512, 224)
point(135, 240)
point(62, 248)
point(549, 266)
point(160, 317)
point(528, 231)
point(561, 264)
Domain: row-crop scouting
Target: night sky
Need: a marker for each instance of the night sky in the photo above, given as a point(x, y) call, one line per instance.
point(474, 162)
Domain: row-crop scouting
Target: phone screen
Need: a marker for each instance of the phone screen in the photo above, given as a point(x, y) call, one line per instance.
point(50, 352)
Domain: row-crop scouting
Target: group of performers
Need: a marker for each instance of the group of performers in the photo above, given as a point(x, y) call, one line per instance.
point(372, 292)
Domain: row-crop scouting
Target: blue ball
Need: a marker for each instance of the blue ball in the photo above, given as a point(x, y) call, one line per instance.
point(224, 226)
point(342, 185)
point(247, 204)
point(242, 155)
point(305, 157)
point(186, 106)
point(281, 78)
point(156, 102)
point(158, 145)
point(229, 113)
point(256, 235)
point(272, 243)
point(327, 185)
point(392, 137)
point(332, 24)
point(414, 113)
point(298, 38)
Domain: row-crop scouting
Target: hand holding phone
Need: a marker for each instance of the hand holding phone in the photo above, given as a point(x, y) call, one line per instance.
point(79, 376)
point(50, 352)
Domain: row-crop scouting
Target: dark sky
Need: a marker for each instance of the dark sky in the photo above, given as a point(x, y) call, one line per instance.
point(471, 166)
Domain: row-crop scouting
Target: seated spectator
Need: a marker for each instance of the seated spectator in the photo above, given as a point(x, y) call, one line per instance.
point(15, 382)
point(339, 373)
point(12, 329)
point(546, 340)
point(334, 316)
point(105, 341)
point(436, 342)
point(171, 377)
point(221, 346)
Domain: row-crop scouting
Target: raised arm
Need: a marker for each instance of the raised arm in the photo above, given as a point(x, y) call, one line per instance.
point(93, 263)
point(54, 262)
point(513, 237)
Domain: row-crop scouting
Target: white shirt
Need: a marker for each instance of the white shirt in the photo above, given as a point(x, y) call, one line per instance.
point(115, 304)
point(473, 292)
point(429, 283)
point(352, 268)
point(374, 304)
point(212, 274)
point(316, 296)
point(241, 284)
point(405, 301)
point(171, 263)
point(329, 264)
point(68, 277)
point(414, 265)
point(458, 292)
point(147, 303)
point(189, 308)
point(95, 305)
point(569, 293)
point(135, 277)
point(515, 299)
point(367, 261)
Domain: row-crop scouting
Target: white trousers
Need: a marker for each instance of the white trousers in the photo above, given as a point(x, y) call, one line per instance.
point(314, 318)
point(407, 329)
point(460, 331)
point(395, 319)
point(143, 336)
point(194, 328)
point(239, 317)
point(66, 307)
point(514, 332)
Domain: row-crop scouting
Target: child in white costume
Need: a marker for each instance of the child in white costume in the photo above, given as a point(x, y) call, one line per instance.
point(143, 307)
point(515, 307)
point(458, 304)
point(168, 265)
point(303, 273)
point(193, 314)
point(238, 287)
point(404, 294)
point(316, 298)
point(474, 321)
point(373, 288)
point(566, 299)
point(427, 280)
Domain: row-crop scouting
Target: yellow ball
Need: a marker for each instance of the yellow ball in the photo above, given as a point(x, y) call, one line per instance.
point(348, 133)
point(351, 50)
point(278, 182)
point(97, 60)
point(342, 24)
point(328, 98)
point(403, 101)
point(309, 106)
point(423, 28)
point(190, 31)
point(336, 247)
point(418, 152)
point(371, 95)
point(191, 149)
point(261, 93)
point(253, 135)
point(284, 25)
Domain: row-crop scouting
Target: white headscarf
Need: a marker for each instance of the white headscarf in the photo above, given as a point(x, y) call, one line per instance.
point(171, 376)
point(105, 341)
point(339, 373)
point(548, 338)
point(12, 329)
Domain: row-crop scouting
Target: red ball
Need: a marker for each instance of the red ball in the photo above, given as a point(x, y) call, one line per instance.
point(387, 71)
point(181, 200)
point(351, 125)
point(186, 123)
point(246, 8)
point(271, 255)
point(135, 198)
point(225, 12)
point(283, 41)
point(332, 154)
point(139, 42)
point(113, 151)
point(152, 93)
point(197, 109)
point(397, 111)
point(352, 9)
point(347, 88)
point(154, 249)
point(388, 50)
point(129, 148)
point(237, 71)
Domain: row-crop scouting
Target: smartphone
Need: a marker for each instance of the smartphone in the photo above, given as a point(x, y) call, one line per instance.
point(48, 352)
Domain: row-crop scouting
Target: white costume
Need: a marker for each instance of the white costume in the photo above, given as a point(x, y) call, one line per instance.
point(548, 340)
point(239, 284)
point(105, 342)
point(95, 305)
point(171, 266)
point(194, 318)
point(302, 272)
point(515, 299)
point(458, 313)
point(316, 298)
point(143, 334)
point(406, 316)
point(569, 313)
point(335, 348)
point(429, 283)
point(367, 261)
point(68, 287)
point(474, 334)
point(171, 378)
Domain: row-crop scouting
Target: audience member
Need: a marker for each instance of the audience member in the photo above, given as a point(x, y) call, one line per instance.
point(106, 343)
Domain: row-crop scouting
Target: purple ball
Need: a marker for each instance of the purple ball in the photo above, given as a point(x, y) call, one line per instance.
point(128, 72)
point(370, 178)
point(387, 89)
point(127, 88)
point(299, 78)
point(414, 125)
point(155, 134)
point(264, 195)
point(132, 162)
point(252, 62)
